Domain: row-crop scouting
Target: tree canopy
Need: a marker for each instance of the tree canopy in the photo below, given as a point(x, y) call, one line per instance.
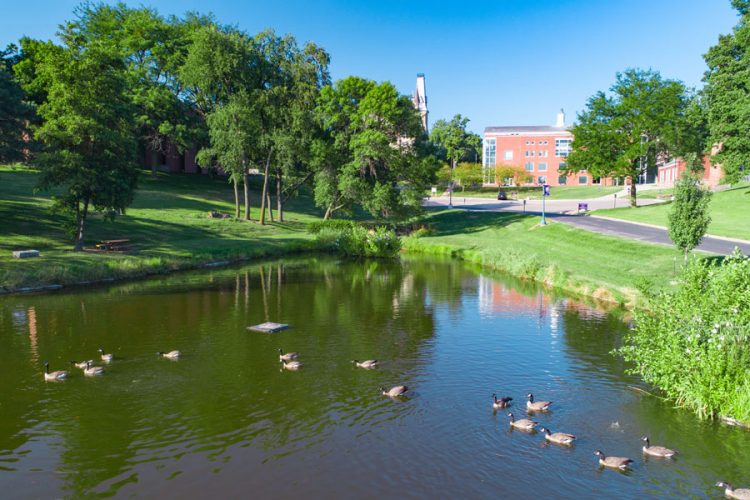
point(15, 112)
point(642, 118)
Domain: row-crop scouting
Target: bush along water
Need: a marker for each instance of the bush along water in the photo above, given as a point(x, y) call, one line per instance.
point(352, 240)
point(694, 343)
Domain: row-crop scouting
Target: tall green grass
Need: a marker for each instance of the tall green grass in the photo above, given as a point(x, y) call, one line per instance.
point(695, 343)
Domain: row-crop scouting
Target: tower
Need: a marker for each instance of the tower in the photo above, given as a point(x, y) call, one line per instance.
point(420, 100)
point(560, 119)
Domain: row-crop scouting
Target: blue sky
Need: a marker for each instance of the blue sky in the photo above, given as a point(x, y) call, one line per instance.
point(507, 62)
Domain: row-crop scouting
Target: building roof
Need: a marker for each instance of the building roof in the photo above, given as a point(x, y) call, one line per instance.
point(526, 129)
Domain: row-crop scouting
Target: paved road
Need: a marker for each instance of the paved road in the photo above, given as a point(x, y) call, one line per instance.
point(556, 210)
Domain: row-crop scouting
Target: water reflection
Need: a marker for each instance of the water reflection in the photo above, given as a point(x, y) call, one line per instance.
point(226, 418)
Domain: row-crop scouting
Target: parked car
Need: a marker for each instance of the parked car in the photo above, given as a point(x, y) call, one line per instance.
point(502, 195)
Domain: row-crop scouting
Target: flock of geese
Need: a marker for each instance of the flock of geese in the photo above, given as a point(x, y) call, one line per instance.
point(92, 370)
point(290, 361)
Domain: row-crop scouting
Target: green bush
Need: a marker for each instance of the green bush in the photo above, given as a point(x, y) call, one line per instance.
point(356, 241)
point(317, 227)
point(694, 343)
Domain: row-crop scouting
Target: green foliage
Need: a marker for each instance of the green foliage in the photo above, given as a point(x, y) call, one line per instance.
point(468, 174)
point(728, 96)
point(693, 344)
point(373, 151)
point(357, 241)
point(338, 225)
point(15, 112)
point(87, 133)
point(453, 143)
point(689, 217)
point(643, 117)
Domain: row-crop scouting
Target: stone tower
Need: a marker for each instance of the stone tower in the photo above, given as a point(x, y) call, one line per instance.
point(420, 100)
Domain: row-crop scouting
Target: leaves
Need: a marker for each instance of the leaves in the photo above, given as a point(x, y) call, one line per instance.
point(689, 217)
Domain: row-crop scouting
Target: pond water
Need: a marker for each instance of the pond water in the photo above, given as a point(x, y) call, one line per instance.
point(226, 420)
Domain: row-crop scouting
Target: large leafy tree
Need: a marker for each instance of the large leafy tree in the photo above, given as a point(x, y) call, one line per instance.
point(376, 153)
point(454, 143)
point(87, 131)
point(15, 112)
point(728, 95)
point(641, 119)
point(153, 49)
point(689, 217)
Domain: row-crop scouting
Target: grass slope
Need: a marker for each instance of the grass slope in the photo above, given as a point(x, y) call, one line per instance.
point(730, 213)
point(558, 255)
point(167, 224)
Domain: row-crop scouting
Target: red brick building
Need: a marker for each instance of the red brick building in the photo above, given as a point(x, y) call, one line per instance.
point(668, 173)
point(540, 150)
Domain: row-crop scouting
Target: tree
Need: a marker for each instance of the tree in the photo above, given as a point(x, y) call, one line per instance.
point(374, 151)
point(689, 217)
point(728, 96)
point(87, 133)
point(454, 143)
point(15, 112)
point(512, 174)
point(468, 174)
point(643, 119)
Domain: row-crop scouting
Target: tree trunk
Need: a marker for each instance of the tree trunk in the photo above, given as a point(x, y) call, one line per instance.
point(236, 198)
point(328, 213)
point(279, 199)
point(264, 194)
point(246, 182)
point(633, 195)
point(80, 222)
point(270, 207)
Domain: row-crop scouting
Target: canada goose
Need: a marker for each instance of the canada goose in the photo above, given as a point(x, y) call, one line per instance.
point(657, 451)
point(613, 462)
point(532, 405)
point(395, 391)
point(54, 376)
point(370, 363)
point(81, 364)
point(107, 358)
point(524, 424)
point(500, 403)
point(290, 356)
point(169, 355)
point(291, 365)
point(557, 437)
point(91, 370)
point(730, 492)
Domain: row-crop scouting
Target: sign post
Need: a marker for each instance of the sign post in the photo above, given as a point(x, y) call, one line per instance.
point(545, 193)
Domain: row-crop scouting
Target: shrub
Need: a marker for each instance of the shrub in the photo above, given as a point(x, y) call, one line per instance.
point(334, 224)
point(694, 342)
point(356, 241)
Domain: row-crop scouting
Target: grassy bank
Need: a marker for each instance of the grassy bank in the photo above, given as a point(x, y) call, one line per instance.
point(730, 213)
point(557, 255)
point(535, 193)
point(167, 224)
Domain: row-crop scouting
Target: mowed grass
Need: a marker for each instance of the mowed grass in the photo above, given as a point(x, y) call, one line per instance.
point(730, 213)
point(559, 255)
point(167, 224)
point(535, 193)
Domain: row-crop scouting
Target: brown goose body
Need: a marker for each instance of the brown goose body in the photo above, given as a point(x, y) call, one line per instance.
point(532, 405)
point(620, 463)
point(657, 451)
point(55, 376)
point(731, 492)
point(291, 365)
point(395, 391)
point(91, 370)
point(290, 356)
point(503, 402)
point(524, 424)
point(370, 363)
point(558, 437)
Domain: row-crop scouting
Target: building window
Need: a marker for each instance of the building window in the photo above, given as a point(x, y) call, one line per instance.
point(542, 153)
point(562, 180)
point(529, 166)
point(562, 166)
point(542, 179)
point(532, 142)
point(508, 154)
point(489, 152)
point(583, 180)
point(542, 167)
point(563, 147)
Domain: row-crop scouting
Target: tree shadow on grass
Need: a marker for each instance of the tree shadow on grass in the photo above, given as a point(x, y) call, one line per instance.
point(448, 222)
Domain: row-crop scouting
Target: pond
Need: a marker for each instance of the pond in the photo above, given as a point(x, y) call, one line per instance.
point(226, 419)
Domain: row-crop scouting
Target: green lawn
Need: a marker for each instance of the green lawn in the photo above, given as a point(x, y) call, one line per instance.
point(560, 255)
point(535, 193)
point(167, 224)
point(730, 213)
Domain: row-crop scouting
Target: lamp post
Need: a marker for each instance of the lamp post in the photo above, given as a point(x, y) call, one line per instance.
point(545, 193)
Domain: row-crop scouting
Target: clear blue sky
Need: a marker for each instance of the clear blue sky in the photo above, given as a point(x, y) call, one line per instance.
point(507, 62)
